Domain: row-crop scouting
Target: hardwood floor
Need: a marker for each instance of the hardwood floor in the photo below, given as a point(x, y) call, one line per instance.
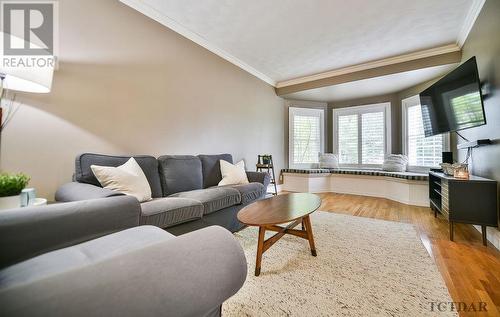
point(470, 270)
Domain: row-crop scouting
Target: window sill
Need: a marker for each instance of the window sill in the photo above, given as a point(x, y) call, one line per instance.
point(361, 167)
point(419, 169)
point(304, 166)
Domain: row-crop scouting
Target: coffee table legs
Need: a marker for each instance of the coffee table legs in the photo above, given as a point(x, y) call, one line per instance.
point(260, 250)
point(263, 245)
point(307, 223)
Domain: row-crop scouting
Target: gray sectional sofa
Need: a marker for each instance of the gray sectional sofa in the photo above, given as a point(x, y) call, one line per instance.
point(184, 190)
point(89, 258)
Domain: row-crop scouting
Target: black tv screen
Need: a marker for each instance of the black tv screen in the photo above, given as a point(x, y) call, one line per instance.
point(454, 102)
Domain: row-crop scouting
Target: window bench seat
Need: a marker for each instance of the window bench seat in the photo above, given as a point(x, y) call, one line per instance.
point(407, 187)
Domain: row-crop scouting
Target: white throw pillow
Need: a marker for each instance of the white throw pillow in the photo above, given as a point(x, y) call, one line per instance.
point(328, 160)
point(233, 174)
point(395, 163)
point(127, 178)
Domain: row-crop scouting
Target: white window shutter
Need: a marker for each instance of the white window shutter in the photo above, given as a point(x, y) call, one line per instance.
point(362, 135)
point(373, 148)
point(348, 139)
point(306, 134)
point(421, 151)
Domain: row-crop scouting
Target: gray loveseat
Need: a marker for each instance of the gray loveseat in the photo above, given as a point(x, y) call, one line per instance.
point(90, 258)
point(184, 189)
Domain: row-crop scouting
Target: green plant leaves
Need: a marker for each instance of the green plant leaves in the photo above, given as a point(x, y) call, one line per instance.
point(12, 185)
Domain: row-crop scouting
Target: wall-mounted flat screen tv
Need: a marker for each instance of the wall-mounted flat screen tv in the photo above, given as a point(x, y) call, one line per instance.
point(454, 102)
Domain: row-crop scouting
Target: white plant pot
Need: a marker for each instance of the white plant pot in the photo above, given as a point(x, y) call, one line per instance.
point(10, 202)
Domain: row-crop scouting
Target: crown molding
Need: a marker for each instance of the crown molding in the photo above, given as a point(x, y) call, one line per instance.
point(176, 27)
point(470, 19)
point(372, 65)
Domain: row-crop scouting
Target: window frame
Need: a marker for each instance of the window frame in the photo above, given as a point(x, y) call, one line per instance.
point(405, 104)
point(306, 111)
point(358, 110)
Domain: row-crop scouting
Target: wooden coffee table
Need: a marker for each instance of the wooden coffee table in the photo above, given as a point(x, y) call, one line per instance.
point(268, 213)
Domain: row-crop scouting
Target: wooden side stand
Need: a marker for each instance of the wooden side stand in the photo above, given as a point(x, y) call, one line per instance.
point(263, 245)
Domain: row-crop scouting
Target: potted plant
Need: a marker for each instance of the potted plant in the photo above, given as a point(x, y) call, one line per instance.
point(11, 187)
point(266, 159)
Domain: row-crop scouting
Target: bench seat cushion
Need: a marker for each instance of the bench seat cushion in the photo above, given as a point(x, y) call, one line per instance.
point(402, 175)
point(306, 170)
point(214, 198)
point(167, 212)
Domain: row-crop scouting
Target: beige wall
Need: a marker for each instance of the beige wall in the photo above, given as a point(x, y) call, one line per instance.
point(127, 84)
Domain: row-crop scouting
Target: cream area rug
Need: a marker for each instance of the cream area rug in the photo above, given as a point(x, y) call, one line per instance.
point(364, 267)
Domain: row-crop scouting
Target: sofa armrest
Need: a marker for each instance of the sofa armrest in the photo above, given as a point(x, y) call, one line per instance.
point(259, 177)
point(80, 191)
point(189, 275)
point(30, 231)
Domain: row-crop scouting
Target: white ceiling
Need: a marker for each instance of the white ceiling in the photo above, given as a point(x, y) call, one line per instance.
point(283, 39)
point(372, 87)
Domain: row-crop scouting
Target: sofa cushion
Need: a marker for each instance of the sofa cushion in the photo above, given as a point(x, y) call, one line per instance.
point(213, 199)
point(250, 192)
point(167, 212)
point(211, 168)
point(148, 164)
point(80, 255)
point(180, 173)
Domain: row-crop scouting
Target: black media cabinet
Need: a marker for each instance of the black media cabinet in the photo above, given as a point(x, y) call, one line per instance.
point(473, 201)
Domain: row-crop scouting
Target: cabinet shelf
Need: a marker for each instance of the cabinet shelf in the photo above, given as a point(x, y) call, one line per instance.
point(436, 204)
